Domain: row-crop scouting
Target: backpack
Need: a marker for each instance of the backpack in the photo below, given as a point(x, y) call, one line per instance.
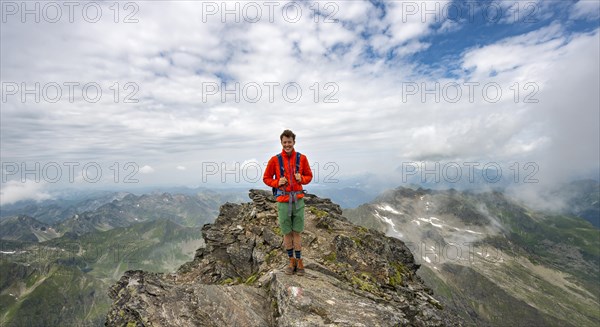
point(276, 191)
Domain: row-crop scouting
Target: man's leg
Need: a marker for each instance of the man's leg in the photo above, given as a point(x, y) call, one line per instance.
point(297, 241)
point(298, 227)
point(285, 224)
point(289, 246)
point(298, 249)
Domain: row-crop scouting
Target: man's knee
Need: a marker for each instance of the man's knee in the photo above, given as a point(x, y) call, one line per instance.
point(297, 240)
point(288, 240)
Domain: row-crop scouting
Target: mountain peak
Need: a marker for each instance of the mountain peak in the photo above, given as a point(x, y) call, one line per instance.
point(355, 276)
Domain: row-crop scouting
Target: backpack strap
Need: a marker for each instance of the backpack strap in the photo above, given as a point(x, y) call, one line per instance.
point(281, 169)
point(276, 190)
point(297, 162)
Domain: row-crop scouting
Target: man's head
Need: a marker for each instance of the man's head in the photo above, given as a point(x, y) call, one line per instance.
point(288, 140)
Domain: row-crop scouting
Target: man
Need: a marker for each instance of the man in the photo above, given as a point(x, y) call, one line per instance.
point(290, 202)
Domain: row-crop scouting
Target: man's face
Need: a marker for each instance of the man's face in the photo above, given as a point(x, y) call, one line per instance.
point(288, 144)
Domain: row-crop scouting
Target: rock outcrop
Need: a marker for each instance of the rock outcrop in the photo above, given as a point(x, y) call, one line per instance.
point(354, 277)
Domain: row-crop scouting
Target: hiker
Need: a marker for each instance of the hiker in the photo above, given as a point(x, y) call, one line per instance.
point(286, 173)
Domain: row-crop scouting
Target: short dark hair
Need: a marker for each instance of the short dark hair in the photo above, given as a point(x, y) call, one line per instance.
point(288, 133)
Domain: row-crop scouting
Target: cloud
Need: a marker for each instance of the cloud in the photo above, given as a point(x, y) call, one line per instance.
point(584, 9)
point(146, 170)
point(180, 168)
point(14, 191)
point(526, 51)
point(353, 109)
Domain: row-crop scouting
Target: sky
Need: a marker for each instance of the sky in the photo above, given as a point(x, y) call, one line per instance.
point(182, 93)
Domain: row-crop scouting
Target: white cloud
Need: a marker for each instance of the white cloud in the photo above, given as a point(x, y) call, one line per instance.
point(14, 191)
point(410, 20)
point(352, 11)
point(146, 169)
point(181, 168)
point(171, 54)
point(531, 51)
point(585, 9)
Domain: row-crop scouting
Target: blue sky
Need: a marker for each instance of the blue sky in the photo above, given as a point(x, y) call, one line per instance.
point(351, 81)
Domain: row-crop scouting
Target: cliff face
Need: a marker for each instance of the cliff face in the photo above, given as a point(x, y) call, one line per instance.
point(354, 276)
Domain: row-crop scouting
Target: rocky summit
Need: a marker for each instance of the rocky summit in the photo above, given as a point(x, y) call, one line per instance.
point(354, 277)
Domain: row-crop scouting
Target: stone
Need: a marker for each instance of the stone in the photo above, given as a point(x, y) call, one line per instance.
point(354, 277)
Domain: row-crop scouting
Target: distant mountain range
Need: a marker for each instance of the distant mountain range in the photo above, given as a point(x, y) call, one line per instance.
point(582, 199)
point(68, 203)
point(494, 261)
point(25, 228)
point(185, 210)
point(58, 274)
point(65, 205)
point(489, 257)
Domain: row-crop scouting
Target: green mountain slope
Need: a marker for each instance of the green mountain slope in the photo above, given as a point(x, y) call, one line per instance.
point(25, 228)
point(493, 260)
point(185, 210)
point(64, 281)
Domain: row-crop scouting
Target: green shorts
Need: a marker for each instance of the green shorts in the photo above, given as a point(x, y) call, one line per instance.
point(296, 223)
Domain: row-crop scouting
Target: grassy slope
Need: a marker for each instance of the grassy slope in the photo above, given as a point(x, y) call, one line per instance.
point(64, 281)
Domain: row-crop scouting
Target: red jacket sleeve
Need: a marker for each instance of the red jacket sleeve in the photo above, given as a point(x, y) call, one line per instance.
point(305, 171)
point(270, 175)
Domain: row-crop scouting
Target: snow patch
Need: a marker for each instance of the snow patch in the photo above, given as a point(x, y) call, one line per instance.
point(431, 222)
point(389, 222)
point(389, 208)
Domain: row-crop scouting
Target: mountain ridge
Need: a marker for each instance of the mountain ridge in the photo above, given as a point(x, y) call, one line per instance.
point(26, 228)
point(240, 270)
point(500, 243)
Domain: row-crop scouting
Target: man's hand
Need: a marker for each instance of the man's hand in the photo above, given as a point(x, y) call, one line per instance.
point(298, 177)
point(282, 181)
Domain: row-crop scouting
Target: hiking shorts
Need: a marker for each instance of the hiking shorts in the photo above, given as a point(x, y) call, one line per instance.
point(296, 223)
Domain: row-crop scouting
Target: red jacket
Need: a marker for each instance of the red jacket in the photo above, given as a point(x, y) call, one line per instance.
point(271, 176)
